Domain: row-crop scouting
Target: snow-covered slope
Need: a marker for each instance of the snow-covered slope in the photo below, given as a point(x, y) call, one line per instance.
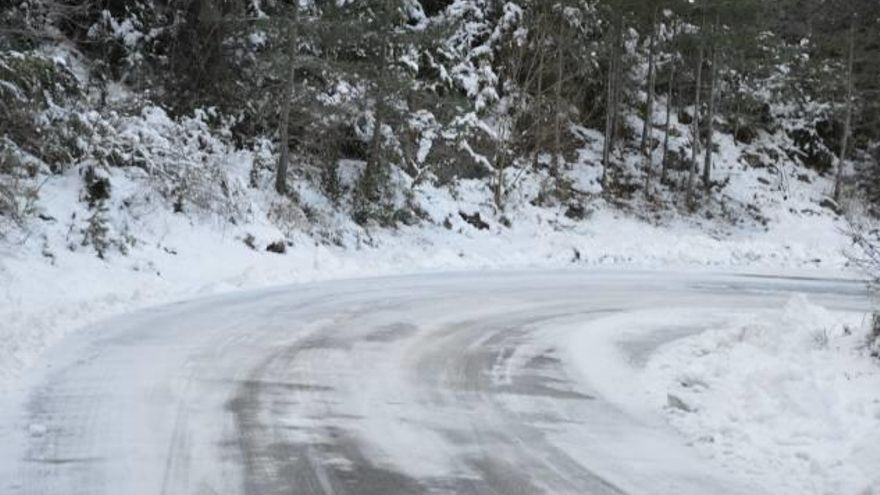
point(53, 282)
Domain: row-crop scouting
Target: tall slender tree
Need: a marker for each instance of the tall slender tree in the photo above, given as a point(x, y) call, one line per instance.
point(848, 110)
point(695, 128)
point(710, 118)
point(614, 92)
point(286, 97)
point(647, 147)
point(672, 66)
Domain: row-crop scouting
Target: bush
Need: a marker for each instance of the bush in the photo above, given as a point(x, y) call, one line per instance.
point(208, 190)
point(18, 188)
point(330, 183)
point(371, 201)
point(96, 232)
point(287, 216)
point(17, 203)
point(38, 101)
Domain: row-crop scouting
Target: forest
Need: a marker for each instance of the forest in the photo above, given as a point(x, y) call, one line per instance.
point(445, 90)
point(440, 246)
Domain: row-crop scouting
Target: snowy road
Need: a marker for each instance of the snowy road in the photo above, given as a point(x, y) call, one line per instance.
point(470, 384)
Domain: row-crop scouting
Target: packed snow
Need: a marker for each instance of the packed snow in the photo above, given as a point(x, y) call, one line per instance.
point(788, 398)
point(377, 380)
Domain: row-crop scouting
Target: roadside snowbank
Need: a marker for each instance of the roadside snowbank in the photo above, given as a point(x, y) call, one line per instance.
point(193, 215)
point(46, 292)
point(788, 398)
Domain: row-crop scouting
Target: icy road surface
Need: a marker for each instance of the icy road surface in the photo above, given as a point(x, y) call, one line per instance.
point(468, 384)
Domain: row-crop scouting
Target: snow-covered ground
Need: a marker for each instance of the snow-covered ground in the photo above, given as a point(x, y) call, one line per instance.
point(51, 282)
point(788, 398)
point(535, 383)
point(785, 398)
point(776, 401)
point(47, 292)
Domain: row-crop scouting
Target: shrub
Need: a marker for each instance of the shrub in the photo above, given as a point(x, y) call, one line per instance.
point(371, 201)
point(96, 232)
point(38, 98)
point(18, 188)
point(287, 216)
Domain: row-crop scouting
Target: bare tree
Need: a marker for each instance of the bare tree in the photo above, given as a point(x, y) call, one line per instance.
point(557, 121)
point(647, 146)
point(695, 128)
point(612, 97)
point(666, 128)
point(664, 163)
point(847, 122)
point(710, 119)
point(286, 97)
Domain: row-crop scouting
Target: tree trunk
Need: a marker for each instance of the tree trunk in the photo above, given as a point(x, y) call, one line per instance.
point(710, 122)
point(649, 104)
point(847, 123)
point(648, 129)
point(737, 111)
point(376, 142)
point(695, 147)
point(557, 138)
point(284, 136)
point(668, 125)
point(499, 180)
point(618, 84)
point(538, 135)
point(737, 116)
point(609, 110)
point(375, 159)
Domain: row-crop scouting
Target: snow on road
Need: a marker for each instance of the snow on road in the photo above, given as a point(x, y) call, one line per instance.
point(514, 383)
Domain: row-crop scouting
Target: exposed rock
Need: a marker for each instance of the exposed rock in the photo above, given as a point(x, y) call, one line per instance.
point(277, 247)
point(474, 220)
point(831, 205)
point(576, 211)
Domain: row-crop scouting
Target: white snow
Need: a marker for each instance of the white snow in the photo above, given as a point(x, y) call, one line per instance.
point(386, 371)
point(784, 398)
point(52, 285)
point(788, 399)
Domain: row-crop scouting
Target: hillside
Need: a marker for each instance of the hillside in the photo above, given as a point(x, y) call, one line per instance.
point(253, 245)
point(130, 176)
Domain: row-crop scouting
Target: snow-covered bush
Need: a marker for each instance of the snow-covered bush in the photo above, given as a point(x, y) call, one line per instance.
point(18, 192)
point(96, 231)
point(288, 216)
point(865, 254)
point(39, 130)
point(186, 160)
point(371, 196)
point(37, 100)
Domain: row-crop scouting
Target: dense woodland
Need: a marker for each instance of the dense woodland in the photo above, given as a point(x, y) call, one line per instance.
point(439, 91)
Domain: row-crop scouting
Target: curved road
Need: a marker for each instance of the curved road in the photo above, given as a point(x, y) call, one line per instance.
point(465, 384)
